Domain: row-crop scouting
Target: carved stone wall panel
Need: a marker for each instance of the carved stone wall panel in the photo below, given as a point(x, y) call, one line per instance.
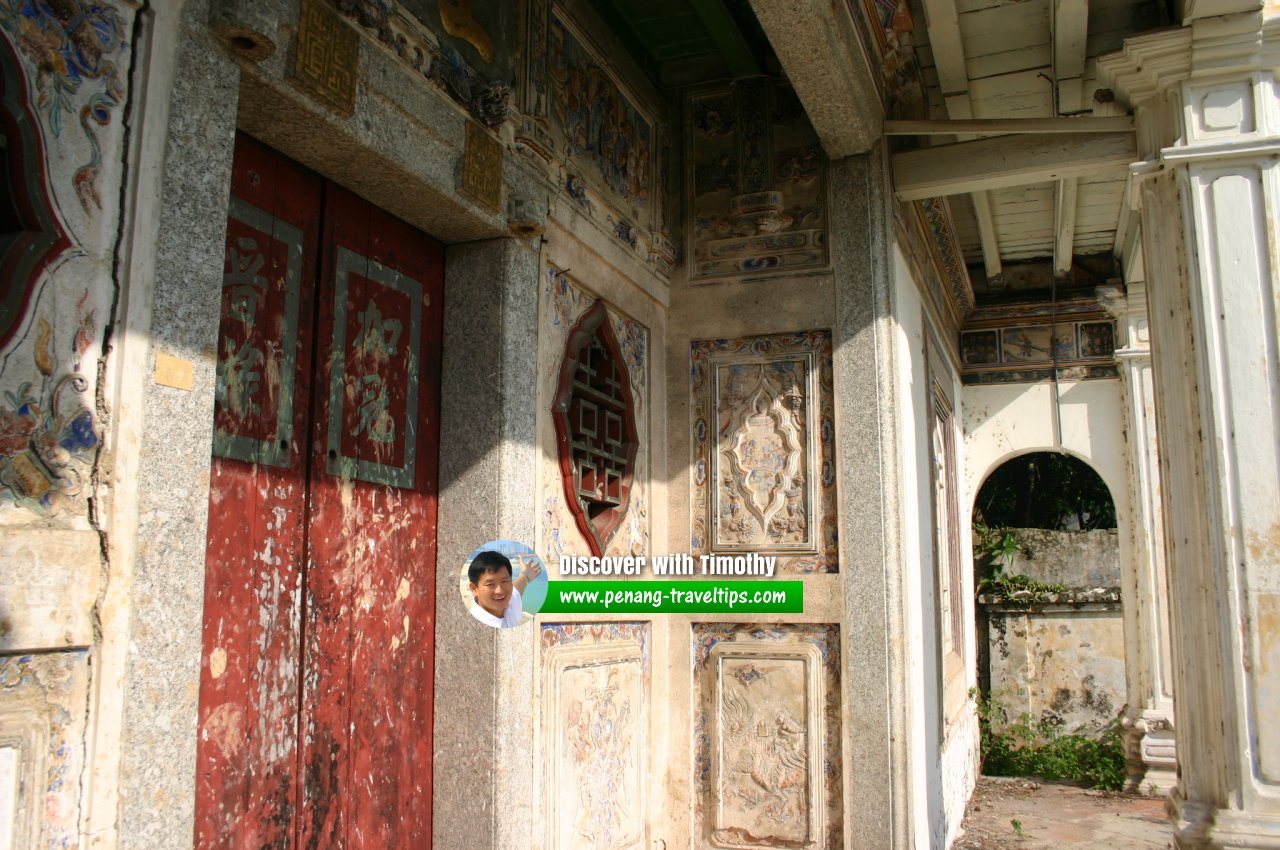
point(42, 728)
point(763, 470)
point(563, 304)
point(602, 139)
point(767, 736)
point(595, 735)
point(756, 180)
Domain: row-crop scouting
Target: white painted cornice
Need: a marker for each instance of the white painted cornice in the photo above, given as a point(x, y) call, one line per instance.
point(1151, 63)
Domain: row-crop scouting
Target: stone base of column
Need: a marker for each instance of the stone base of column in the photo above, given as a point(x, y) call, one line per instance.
point(1151, 753)
point(1200, 827)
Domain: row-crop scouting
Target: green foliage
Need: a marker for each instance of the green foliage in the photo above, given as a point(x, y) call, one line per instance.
point(994, 551)
point(1040, 748)
point(1017, 826)
point(1045, 490)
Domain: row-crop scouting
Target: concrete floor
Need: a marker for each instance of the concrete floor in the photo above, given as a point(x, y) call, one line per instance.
point(1022, 814)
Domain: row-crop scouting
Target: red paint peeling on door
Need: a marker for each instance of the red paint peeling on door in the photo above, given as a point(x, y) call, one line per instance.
point(316, 690)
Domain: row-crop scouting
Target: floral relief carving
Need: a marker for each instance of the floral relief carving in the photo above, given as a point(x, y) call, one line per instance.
point(596, 678)
point(763, 466)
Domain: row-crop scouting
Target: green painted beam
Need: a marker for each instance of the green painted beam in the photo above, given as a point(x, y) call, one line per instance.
point(728, 38)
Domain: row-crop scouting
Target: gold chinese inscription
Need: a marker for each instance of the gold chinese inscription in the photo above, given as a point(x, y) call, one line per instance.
point(482, 168)
point(326, 64)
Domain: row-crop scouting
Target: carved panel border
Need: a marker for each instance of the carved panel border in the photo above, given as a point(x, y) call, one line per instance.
point(763, 466)
point(767, 737)
point(595, 735)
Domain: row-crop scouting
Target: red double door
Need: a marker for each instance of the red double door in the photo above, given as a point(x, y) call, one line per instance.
point(316, 687)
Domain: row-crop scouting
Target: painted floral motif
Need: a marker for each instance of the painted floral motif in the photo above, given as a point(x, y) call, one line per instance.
point(598, 711)
point(69, 43)
point(47, 433)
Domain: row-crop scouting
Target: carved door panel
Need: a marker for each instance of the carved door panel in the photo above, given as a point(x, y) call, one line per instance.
point(315, 705)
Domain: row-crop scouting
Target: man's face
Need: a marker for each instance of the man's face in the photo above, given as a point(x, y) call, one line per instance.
point(493, 591)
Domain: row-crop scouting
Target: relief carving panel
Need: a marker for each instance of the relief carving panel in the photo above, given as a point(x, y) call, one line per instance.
point(756, 180)
point(595, 735)
point(763, 464)
point(767, 736)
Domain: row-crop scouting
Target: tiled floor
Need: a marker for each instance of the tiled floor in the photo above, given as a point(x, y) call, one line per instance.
point(1021, 814)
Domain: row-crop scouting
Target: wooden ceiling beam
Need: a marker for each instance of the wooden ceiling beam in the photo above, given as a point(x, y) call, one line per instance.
point(1006, 161)
point(947, 44)
point(1069, 27)
point(1064, 225)
point(1009, 126)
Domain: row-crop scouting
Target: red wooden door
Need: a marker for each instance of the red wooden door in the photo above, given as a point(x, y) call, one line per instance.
point(316, 689)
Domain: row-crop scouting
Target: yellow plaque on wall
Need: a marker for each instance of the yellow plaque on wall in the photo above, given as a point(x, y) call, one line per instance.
point(327, 61)
point(482, 168)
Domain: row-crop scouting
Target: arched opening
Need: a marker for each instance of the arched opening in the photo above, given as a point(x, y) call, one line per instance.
point(1050, 628)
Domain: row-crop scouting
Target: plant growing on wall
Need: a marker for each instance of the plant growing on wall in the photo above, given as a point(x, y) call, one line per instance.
point(1039, 747)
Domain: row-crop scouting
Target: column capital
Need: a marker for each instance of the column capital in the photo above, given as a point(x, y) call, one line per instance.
point(1207, 89)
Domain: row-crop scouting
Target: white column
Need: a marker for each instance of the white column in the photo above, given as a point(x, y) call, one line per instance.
point(1148, 718)
point(1208, 111)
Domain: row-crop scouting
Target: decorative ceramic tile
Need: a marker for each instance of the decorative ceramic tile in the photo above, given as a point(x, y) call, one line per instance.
point(926, 233)
point(595, 734)
point(482, 168)
point(763, 449)
point(757, 184)
point(767, 736)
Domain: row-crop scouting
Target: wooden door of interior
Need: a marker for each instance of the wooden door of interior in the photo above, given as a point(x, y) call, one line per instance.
point(316, 681)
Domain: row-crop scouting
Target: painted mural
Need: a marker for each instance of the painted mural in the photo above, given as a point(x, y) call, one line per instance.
point(606, 148)
point(756, 182)
point(763, 474)
point(75, 48)
point(42, 719)
point(926, 232)
point(595, 679)
point(563, 303)
point(66, 67)
point(460, 46)
point(1024, 347)
point(767, 736)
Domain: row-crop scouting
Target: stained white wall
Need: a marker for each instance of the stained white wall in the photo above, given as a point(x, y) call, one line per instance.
point(1002, 421)
point(942, 749)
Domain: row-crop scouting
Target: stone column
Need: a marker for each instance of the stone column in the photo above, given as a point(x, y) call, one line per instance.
point(1208, 114)
point(1148, 719)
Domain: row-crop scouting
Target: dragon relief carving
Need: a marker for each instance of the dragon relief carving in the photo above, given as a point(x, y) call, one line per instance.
point(764, 764)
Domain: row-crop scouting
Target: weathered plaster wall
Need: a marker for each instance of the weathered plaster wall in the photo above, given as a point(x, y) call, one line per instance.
point(1070, 558)
point(68, 82)
point(1061, 664)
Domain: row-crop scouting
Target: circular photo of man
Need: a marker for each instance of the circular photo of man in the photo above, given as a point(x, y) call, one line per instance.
point(503, 584)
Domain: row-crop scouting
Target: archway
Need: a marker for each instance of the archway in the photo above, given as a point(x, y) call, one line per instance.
point(1050, 624)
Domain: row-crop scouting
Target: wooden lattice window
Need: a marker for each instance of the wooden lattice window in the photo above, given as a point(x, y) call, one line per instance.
point(595, 428)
